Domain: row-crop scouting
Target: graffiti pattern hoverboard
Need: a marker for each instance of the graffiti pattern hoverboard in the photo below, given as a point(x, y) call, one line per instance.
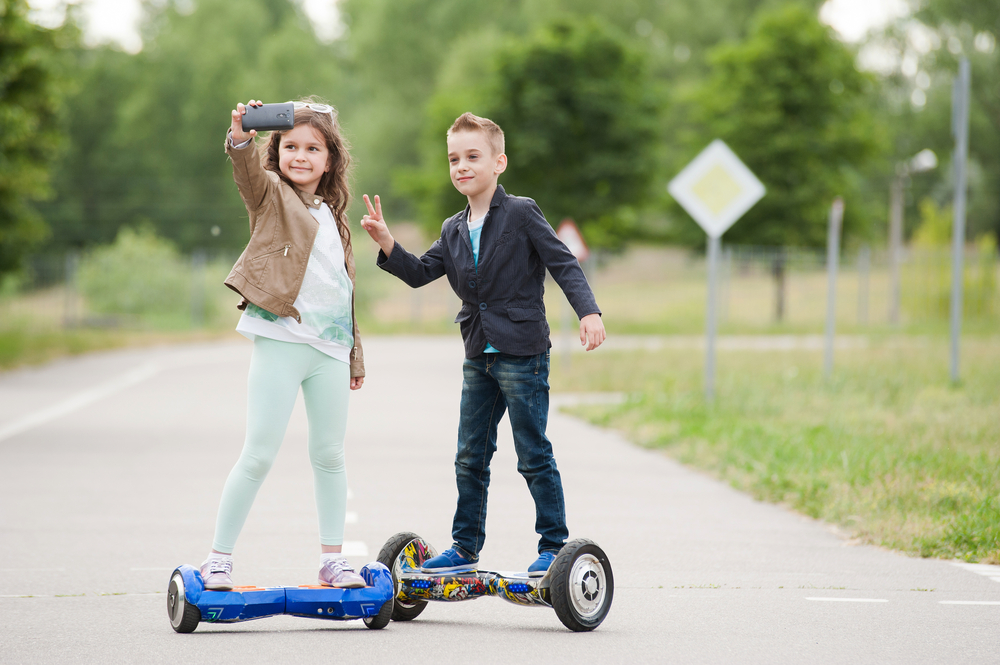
point(579, 584)
point(189, 602)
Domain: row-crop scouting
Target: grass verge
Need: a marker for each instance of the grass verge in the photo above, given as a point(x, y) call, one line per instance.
point(26, 346)
point(888, 449)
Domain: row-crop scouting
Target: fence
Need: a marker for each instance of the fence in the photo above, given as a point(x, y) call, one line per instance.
point(75, 290)
point(646, 290)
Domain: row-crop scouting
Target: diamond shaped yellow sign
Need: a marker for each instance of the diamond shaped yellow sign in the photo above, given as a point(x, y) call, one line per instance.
point(716, 188)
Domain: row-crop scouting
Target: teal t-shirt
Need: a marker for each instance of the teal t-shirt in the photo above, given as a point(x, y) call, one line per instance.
point(475, 231)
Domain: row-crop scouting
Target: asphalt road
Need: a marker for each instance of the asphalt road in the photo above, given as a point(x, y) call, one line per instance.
point(111, 467)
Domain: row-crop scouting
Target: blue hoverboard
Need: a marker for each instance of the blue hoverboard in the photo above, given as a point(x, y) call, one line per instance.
point(579, 584)
point(189, 602)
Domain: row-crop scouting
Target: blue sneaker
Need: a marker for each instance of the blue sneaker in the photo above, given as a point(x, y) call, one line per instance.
point(448, 561)
point(541, 564)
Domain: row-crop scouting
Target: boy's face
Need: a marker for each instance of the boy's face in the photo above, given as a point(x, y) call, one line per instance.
point(303, 157)
point(474, 167)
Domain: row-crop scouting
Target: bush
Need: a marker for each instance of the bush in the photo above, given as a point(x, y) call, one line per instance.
point(137, 275)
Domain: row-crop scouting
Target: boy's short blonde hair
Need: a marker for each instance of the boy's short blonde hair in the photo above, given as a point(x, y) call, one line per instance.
point(468, 122)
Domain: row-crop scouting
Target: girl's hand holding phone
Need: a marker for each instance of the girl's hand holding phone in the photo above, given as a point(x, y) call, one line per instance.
point(239, 136)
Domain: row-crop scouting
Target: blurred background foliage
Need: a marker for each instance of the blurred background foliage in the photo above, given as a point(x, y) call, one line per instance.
point(138, 274)
point(602, 104)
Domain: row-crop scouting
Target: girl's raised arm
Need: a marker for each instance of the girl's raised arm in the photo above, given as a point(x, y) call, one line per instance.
point(248, 173)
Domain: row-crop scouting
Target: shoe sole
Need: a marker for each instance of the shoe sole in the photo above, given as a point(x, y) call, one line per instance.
point(537, 573)
point(453, 569)
point(342, 586)
point(219, 587)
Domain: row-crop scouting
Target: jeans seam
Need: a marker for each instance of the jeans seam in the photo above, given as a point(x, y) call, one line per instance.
point(482, 500)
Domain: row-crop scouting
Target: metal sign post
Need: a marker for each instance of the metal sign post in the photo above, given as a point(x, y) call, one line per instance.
point(960, 130)
point(716, 189)
point(710, 316)
point(832, 263)
point(925, 160)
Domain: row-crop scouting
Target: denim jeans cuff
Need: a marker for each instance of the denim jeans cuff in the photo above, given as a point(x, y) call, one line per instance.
point(466, 554)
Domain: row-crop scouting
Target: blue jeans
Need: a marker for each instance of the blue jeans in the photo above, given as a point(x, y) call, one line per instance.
point(495, 383)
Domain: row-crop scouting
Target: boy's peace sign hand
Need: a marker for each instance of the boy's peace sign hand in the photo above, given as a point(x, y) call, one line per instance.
point(239, 136)
point(376, 227)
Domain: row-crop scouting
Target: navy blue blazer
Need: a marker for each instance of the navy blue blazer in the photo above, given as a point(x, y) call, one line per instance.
point(502, 300)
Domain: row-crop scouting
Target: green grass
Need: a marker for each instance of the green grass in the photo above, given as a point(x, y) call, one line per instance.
point(888, 449)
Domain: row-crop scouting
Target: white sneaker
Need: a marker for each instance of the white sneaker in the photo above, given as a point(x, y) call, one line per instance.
point(338, 573)
point(215, 573)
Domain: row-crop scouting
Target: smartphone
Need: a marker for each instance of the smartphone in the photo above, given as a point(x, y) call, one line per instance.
point(267, 117)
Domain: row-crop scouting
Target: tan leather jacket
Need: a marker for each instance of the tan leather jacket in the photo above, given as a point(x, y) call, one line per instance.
point(269, 273)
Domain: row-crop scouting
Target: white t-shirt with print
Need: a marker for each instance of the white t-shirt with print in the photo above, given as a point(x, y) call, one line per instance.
point(323, 302)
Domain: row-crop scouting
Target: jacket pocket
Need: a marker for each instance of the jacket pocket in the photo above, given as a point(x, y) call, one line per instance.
point(282, 250)
point(524, 314)
point(505, 237)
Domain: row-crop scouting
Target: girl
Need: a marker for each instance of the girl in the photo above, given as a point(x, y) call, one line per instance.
point(296, 277)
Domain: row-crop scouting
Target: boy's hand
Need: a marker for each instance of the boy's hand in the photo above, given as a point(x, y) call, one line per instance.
point(239, 136)
point(357, 382)
point(592, 331)
point(376, 227)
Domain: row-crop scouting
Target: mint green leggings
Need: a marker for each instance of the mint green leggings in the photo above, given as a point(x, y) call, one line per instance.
point(277, 369)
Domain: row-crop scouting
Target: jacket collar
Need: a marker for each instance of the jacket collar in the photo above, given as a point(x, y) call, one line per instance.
point(311, 200)
point(498, 196)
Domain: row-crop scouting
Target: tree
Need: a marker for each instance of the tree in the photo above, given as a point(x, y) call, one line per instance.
point(924, 49)
point(398, 52)
point(29, 131)
point(789, 101)
point(967, 29)
point(579, 111)
point(410, 64)
point(581, 114)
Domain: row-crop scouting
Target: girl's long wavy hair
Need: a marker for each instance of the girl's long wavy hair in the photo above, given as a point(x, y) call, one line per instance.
point(333, 186)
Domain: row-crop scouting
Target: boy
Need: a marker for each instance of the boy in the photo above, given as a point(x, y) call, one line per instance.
point(495, 253)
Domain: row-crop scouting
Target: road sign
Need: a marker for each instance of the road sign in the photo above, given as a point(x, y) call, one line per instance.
point(573, 239)
point(716, 188)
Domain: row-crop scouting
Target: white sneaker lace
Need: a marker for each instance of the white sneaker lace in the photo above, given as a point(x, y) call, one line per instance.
point(220, 566)
point(338, 566)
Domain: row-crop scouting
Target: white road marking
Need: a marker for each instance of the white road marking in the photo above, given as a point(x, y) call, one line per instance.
point(849, 600)
point(970, 602)
point(79, 400)
point(984, 569)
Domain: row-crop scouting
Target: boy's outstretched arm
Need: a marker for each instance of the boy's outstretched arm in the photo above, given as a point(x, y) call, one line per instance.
point(592, 333)
point(375, 224)
point(413, 271)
